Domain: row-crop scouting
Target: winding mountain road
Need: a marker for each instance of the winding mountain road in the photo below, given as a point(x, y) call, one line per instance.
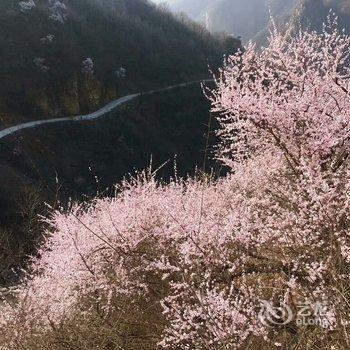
point(94, 115)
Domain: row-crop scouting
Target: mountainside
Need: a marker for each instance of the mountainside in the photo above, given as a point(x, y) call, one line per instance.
point(250, 19)
point(241, 18)
point(68, 57)
point(313, 13)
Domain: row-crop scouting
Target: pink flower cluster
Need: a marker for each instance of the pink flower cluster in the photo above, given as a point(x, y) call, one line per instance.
point(277, 228)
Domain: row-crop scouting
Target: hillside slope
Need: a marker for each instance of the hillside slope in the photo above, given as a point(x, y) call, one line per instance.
point(69, 57)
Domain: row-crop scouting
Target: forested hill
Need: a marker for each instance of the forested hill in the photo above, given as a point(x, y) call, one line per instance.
point(69, 57)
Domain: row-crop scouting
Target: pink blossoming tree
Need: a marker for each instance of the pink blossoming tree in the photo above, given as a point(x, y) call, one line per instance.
point(193, 260)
